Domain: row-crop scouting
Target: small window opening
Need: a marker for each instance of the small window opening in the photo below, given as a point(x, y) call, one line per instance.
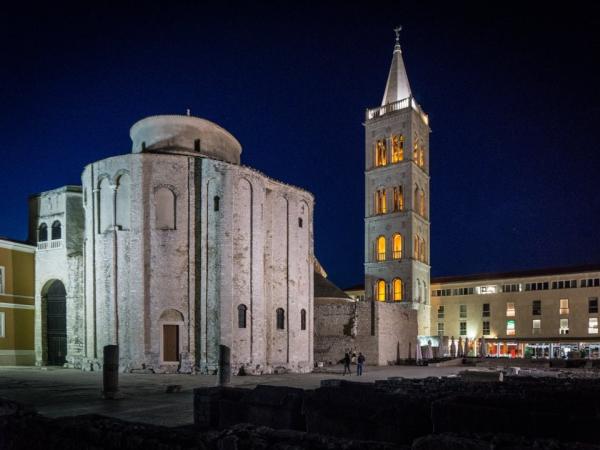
point(216, 202)
point(197, 145)
point(300, 222)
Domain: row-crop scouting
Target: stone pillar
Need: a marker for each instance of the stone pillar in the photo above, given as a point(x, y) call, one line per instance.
point(224, 373)
point(110, 372)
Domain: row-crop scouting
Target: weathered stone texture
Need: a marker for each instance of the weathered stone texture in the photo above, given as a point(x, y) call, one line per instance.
point(177, 240)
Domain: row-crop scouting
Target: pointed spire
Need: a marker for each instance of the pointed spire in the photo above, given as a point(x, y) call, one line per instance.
point(397, 86)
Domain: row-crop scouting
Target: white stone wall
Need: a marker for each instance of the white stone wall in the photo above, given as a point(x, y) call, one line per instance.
point(59, 260)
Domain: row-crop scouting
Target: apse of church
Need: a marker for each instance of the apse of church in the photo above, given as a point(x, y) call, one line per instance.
point(184, 250)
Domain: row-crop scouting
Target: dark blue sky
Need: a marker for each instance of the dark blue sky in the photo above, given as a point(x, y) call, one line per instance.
point(512, 95)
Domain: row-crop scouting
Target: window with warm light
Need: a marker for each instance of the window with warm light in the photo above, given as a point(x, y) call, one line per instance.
point(380, 290)
point(397, 246)
point(510, 310)
point(397, 148)
point(593, 325)
point(397, 288)
point(398, 199)
point(564, 306)
point(421, 202)
point(380, 153)
point(380, 248)
point(510, 327)
point(380, 201)
point(416, 151)
point(421, 156)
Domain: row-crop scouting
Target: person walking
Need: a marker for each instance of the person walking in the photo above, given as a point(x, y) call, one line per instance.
point(347, 364)
point(359, 363)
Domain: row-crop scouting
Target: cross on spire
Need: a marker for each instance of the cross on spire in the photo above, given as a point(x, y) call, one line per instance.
point(397, 30)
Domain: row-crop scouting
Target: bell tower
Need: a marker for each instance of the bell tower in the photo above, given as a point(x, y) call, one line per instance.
point(397, 198)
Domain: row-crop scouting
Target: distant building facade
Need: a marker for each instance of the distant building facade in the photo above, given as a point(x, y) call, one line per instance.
point(17, 307)
point(535, 313)
point(171, 251)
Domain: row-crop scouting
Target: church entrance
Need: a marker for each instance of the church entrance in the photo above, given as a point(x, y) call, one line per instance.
point(170, 343)
point(56, 323)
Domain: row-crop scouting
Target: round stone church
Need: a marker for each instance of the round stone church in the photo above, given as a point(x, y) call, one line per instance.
point(172, 250)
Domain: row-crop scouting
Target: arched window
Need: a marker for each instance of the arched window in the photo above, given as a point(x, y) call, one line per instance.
point(397, 243)
point(43, 233)
point(303, 319)
point(380, 201)
point(421, 156)
point(422, 202)
point(417, 247)
point(380, 153)
point(280, 319)
point(164, 199)
point(416, 150)
point(242, 309)
point(105, 209)
point(397, 148)
point(380, 248)
point(56, 230)
point(422, 252)
point(416, 199)
point(380, 288)
point(398, 198)
point(123, 220)
point(397, 288)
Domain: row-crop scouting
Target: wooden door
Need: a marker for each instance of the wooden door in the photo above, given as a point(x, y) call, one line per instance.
point(170, 343)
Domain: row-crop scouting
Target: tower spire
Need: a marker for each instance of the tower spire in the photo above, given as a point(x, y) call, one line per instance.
point(397, 86)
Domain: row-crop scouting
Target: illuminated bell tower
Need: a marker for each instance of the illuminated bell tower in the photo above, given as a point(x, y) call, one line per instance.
point(397, 198)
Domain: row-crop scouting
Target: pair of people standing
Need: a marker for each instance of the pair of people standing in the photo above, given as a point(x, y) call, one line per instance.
point(360, 361)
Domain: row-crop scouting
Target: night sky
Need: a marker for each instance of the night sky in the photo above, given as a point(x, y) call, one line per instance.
point(512, 96)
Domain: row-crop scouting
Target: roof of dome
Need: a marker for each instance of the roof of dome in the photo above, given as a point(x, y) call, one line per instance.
point(176, 133)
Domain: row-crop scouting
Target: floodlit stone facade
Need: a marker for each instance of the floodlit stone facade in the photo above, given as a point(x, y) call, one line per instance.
point(181, 249)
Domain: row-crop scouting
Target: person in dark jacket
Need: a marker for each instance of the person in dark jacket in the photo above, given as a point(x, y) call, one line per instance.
point(360, 361)
point(347, 364)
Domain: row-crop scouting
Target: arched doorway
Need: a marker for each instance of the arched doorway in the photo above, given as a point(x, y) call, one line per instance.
point(56, 323)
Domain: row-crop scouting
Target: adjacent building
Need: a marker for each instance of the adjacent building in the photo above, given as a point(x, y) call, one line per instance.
point(17, 260)
point(535, 313)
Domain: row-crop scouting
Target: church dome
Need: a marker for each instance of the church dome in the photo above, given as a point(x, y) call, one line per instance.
point(175, 133)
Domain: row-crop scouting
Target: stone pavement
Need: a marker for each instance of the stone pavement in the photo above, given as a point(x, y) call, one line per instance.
point(57, 392)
